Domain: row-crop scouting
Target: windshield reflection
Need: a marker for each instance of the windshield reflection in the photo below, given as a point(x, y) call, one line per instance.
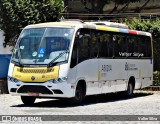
point(42, 45)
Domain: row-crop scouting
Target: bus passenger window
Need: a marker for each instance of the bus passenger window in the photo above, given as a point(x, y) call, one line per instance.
point(94, 45)
point(132, 45)
point(84, 45)
point(110, 48)
point(119, 45)
point(143, 46)
point(149, 49)
point(104, 49)
point(74, 55)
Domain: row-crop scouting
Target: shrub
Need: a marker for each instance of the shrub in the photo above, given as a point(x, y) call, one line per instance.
point(156, 78)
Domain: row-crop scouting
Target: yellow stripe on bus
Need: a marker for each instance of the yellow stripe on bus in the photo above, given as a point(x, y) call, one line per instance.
point(105, 28)
point(99, 75)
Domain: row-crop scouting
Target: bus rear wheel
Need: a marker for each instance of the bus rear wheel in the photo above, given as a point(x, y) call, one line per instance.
point(130, 89)
point(79, 95)
point(28, 100)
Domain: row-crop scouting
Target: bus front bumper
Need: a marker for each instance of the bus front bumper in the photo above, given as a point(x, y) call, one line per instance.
point(46, 89)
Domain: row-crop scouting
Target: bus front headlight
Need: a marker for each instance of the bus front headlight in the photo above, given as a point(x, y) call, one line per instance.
point(58, 80)
point(13, 79)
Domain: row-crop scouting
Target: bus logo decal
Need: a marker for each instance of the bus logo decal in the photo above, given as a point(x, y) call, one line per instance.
point(106, 68)
point(130, 67)
point(33, 78)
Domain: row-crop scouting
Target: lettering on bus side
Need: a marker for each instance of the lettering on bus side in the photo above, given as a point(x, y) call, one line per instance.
point(135, 54)
point(106, 68)
point(130, 67)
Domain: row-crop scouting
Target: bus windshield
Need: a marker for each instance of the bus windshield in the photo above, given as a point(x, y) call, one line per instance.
point(43, 45)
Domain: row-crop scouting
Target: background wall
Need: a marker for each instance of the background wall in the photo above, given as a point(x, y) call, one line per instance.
point(5, 55)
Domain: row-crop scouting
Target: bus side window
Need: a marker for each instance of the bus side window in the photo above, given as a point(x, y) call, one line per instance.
point(74, 54)
point(136, 45)
point(132, 45)
point(120, 45)
point(149, 49)
point(104, 39)
point(143, 46)
point(94, 44)
point(84, 45)
point(110, 47)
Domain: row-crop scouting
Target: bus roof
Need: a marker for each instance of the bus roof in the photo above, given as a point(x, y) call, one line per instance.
point(51, 24)
point(109, 24)
point(80, 24)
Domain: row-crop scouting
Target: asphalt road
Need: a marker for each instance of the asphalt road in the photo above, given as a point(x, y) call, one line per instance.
point(141, 103)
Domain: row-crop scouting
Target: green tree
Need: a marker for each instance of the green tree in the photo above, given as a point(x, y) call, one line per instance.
point(98, 5)
point(16, 14)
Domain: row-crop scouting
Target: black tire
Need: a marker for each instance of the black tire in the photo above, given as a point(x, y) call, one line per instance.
point(28, 100)
point(130, 90)
point(79, 95)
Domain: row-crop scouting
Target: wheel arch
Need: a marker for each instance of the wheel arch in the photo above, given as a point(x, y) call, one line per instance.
point(132, 80)
point(82, 82)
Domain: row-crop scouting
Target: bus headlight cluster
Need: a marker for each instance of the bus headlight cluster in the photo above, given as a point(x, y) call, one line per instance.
point(58, 80)
point(13, 79)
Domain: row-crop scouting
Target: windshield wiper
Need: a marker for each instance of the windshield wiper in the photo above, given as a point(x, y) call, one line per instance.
point(61, 54)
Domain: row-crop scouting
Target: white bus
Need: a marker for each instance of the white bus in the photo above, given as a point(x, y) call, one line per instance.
point(72, 59)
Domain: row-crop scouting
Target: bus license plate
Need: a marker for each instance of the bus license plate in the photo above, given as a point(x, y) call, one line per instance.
point(33, 94)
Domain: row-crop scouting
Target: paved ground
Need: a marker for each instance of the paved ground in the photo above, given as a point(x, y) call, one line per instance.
point(142, 103)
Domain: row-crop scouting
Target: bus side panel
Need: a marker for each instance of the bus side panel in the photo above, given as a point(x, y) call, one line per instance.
point(107, 75)
point(88, 70)
point(140, 69)
point(72, 73)
point(133, 66)
point(112, 75)
point(10, 69)
point(146, 72)
point(121, 75)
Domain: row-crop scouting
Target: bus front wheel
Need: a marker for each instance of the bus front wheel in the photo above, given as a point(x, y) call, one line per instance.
point(28, 100)
point(79, 95)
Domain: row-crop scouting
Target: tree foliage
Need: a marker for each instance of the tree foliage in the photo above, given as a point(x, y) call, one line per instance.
point(152, 26)
point(16, 14)
point(98, 5)
point(156, 78)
